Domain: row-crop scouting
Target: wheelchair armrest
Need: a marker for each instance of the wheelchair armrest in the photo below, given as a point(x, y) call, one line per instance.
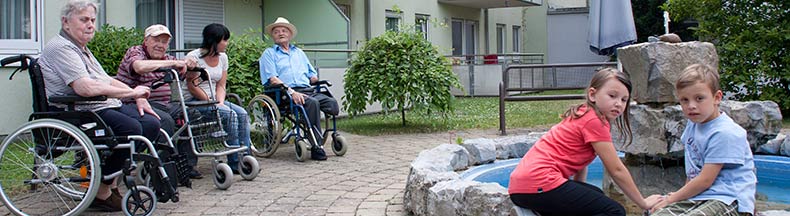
point(74, 99)
point(200, 103)
point(322, 82)
point(279, 86)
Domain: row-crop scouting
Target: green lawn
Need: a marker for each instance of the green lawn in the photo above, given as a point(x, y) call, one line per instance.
point(470, 113)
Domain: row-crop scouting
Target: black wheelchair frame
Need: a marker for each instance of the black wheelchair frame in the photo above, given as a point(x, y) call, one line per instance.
point(58, 143)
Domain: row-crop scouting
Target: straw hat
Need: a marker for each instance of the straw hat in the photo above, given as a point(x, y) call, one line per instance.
point(156, 30)
point(281, 22)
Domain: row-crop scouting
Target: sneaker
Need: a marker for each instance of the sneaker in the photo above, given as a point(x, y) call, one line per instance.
point(318, 154)
point(111, 204)
point(194, 174)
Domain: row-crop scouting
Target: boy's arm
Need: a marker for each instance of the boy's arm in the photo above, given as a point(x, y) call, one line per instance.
point(581, 176)
point(694, 186)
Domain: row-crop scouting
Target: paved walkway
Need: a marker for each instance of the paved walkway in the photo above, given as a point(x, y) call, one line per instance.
point(368, 180)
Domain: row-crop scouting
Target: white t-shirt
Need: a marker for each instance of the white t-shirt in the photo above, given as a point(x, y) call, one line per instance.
point(214, 72)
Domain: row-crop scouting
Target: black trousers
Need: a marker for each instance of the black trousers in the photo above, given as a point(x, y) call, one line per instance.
point(315, 103)
point(570, 198)
point(126, 121)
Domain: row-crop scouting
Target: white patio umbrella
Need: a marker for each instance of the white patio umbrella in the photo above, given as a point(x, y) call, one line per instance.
point(611, 26)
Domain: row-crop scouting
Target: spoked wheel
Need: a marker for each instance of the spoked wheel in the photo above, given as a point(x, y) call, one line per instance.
point(143, 203)
point(249, 168)
point(301, 151)
point(48, 167)
point(339, 145)
point(223, 176)
point(265, 126)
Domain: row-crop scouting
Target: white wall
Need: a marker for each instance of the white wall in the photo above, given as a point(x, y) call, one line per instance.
point(567, 39)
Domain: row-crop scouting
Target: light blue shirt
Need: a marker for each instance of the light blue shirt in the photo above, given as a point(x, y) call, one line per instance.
point(722, 141)
point(292, 67)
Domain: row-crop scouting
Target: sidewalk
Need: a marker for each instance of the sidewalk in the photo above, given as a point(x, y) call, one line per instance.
point(368, 180)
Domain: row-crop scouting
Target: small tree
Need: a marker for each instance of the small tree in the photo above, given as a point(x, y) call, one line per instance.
point(752, 40)
point(243, 50)
point(109, 45)
point(399, 70)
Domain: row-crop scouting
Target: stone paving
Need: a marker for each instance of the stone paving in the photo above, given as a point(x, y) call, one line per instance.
point(368, 180)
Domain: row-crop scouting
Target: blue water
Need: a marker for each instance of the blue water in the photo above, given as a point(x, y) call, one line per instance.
point(772, 175)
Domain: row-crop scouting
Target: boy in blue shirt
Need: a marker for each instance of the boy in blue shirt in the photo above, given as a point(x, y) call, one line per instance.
point(720, 176)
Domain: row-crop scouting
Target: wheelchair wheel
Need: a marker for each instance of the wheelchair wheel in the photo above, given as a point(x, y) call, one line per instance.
point(265, 126)
point(48, 167)
point(223, 176)
point(145, 204)
point(301, 151)
point(249, 168)
point(339, 144)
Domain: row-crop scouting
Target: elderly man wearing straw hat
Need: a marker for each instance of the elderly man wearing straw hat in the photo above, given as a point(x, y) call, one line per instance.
point(286, 64)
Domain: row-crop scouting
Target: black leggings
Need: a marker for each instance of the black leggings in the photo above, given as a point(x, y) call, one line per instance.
point(570, 198)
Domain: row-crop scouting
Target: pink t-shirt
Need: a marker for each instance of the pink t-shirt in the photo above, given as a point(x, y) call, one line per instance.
point(559, 154)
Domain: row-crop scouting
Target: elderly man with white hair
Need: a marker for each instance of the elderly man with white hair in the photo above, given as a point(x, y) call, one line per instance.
point(70, 69)
point(286, 64)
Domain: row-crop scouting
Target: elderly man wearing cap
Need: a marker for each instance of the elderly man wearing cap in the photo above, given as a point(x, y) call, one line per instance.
point(286, 64)
point(135, 70)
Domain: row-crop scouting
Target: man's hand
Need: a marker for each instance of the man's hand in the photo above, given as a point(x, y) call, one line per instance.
point(185, 64)
point(298, 98)
point(144, 107)
point(141, 92)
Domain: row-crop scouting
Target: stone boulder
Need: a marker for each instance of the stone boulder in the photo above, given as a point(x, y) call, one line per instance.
point(655, 66)
point(480, 150)
point(657, 132)
point(514, 147)
point(462, 197)
point(443, 158)
point(418, 185)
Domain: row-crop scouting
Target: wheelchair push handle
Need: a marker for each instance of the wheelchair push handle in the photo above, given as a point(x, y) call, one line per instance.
point(23, 63)
point(322, 82)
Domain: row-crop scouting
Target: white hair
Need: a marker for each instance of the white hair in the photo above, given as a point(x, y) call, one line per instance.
point(77, 5)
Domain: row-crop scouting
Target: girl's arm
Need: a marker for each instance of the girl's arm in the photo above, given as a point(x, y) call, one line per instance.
point(581, 176)
point(221, 87)
point(619, 173)
point(192, 81)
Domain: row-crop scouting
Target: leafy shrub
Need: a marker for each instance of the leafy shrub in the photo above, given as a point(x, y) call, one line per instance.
point(752, 40)
point(400, 70)
point(243, 50)
point(109, 45)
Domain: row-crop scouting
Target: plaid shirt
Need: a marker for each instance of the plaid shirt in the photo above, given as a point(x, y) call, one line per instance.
point(126, 74)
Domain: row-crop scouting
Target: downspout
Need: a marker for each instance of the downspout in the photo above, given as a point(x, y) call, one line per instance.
point(263, 22)
point(367, 20)
point(485, 31)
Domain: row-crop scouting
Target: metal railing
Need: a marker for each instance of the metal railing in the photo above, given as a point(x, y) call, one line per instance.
point(470, 69)
point(520, 79)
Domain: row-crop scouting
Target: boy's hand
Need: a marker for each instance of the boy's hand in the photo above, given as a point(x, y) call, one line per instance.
point(652, 200)
point(664, 202)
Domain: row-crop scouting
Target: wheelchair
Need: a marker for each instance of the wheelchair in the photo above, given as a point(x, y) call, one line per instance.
point(276, 119)
point(205, 132)
point(51, 164)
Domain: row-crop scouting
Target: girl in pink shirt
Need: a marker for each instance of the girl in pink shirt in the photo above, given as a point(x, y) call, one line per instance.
point(541, 181)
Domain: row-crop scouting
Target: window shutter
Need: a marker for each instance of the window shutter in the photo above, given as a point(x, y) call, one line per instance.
point(198, 14)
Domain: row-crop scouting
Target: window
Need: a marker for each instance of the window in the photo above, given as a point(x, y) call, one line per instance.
point(421, 24)
point(516, 38)
point(392, 21)
point(197, 15)
point(464, 37)
point(149, 12)
point(500, 38)
point(20, 27)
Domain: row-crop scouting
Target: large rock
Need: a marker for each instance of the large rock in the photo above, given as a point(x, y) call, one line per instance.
point(649, 179)
point(461, 197)
point(514, 147)
point(480, 150)
point(657, 132)
point(418, 185)
point(443, 158)
point(654, 67)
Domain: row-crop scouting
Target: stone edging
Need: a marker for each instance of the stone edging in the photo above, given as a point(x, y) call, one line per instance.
point(434, 186)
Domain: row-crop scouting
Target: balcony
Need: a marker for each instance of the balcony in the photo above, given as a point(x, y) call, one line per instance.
point(492, 3)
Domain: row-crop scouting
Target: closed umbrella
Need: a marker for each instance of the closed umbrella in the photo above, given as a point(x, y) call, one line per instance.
point(611, 26)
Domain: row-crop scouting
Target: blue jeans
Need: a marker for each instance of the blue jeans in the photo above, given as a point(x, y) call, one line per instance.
point(237, 124)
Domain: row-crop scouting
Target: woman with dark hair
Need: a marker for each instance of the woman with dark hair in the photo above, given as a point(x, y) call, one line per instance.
point(211, 56)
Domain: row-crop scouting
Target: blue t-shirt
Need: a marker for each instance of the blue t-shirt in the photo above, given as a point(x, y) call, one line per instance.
point(292, 67)
point(722, 141)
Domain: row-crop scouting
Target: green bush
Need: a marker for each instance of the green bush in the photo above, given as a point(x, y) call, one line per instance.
point(752, 40)
point(109, 45)
point(243, 50)
point(400, 70)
